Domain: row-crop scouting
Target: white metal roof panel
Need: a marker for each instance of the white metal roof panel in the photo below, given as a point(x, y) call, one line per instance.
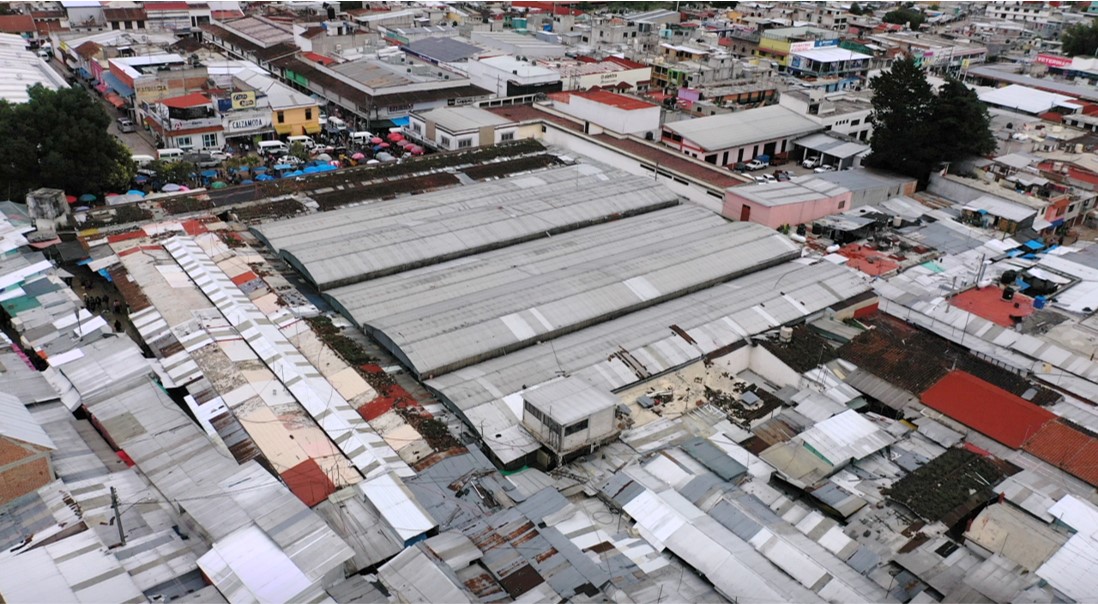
point(743, 127)
point(397, 505)
point(16, 422)
point(1071, 569)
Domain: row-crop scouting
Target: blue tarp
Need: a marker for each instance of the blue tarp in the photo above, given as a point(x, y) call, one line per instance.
point(400, 121)
point(1034, 244)
point(83, 73)
point(117, 85)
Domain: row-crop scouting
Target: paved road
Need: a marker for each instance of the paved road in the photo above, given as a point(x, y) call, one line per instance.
point(139, 143)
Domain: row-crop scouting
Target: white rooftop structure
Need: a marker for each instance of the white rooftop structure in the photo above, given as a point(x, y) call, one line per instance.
point(519, 68)
point(397, 506)
point(845, 437)
point(569, 400)
point(743, 127)
point(21, 68)
point(1024, 98)
point(279, 95)
point(831, 54)
point(460, 119)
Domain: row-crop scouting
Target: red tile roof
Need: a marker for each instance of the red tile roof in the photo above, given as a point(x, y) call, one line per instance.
point(606, 98)
point(16, 24)
point(308, 482)
point(193, 99)
point(88, 49)
point(625, 62)
point(554, 8)
point(1066, 447)
point(986, 408)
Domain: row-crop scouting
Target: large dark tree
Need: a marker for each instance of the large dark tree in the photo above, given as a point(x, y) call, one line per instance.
point(905, 16)
point(1081, 39)
point(903, 105)
point(963, 123)
point(914, 131)
point(59, 139)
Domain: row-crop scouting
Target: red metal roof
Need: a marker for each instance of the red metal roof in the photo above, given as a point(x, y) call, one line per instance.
point(166, 6)
point(193, 99)
point(318, 58)
point(553, 8)
point(986, 408)
point(1067, 448)
point(625, 62)
point(308, 482)
point(244, 277)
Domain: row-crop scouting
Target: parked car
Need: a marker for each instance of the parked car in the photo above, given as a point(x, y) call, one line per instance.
point(202, 160)
point(219, 155)
point(291, 160)
point(756, 164)
point(811, 162)
point(824, 168)
point(738, 167)
point(125, 124)
point(765, 179)
point(782, 175)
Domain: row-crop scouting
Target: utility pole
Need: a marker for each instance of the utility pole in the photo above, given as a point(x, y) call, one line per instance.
point(117, 515)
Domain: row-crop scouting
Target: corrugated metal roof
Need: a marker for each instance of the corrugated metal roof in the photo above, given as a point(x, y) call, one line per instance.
point(1071, 569)
point(1012, 533)
point(568, 400)
point(845, 437)
point(17, 423)
point(1079, 514)
point(712, 318)
point(78, 568)
point(397, 505)
point(743, 127)
point(463, 321)
point(414, 577)
point(358, 243)
point(713, 458)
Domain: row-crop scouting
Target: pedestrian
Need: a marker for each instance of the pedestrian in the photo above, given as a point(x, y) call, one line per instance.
point(117, 326)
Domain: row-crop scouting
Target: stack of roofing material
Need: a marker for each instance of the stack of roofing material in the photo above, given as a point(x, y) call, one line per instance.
point(447, 316)
point(339, 248)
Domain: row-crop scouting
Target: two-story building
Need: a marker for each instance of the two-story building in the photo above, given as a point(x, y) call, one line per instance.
point(828, 67)
point(188, 122)
point(738, 137)
point(450, 128)
point(509, 76)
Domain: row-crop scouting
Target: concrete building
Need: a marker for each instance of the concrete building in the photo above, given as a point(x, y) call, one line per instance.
point(188, 122)
point(602, 110)
point(517, 45)
point(792, 202)
point(569, 416)
point(738, 137)
point(448, 128)
point(613, 73)
point(840, 114)
point(510, 76)
point(831, 67)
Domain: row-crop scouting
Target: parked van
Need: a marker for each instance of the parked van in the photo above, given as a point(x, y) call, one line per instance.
point(306, 141)
point(142, 160)
point(125, 124)
point(361, 138)
point(273, 147)
point(170, 153)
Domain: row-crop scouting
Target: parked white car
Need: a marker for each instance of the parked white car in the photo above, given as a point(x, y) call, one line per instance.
point(765, 179)
point(756, 165)
point(826, 168)
point(811, 162)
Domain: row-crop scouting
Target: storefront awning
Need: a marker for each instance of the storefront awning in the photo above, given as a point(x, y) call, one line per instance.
point(117, 85)
point(114, 99)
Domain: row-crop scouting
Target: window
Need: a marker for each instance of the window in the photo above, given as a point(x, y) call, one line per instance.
point(417, 127)
point(576, 427)
point(465, 143)
point(842, 204)
point(507, 136)
point(281, 117)
point(308, 114)
point(183, 142)
point(444, 141)
point(209, 141)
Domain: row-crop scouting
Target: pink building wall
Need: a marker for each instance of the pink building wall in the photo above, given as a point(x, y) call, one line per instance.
point(791, 214)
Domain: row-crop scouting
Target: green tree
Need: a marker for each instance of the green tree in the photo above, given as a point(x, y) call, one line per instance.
point(299, 151)
point(914, 130)
point(903, 105)
point(59, 139)
point(1081, 39)
point(856, 9)
point(905, 16)
point(175, 172)
point(963, 123)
